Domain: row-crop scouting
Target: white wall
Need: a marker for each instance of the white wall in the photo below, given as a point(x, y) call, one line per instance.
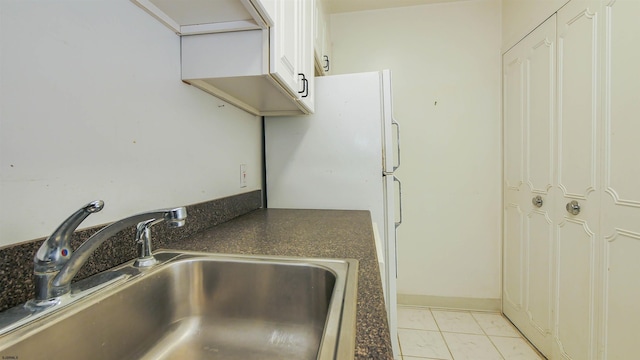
point(445, 61)
point(520, 17)
point(92, 107)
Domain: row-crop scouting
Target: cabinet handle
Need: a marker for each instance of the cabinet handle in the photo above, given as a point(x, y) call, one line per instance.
point(305, 86)
point(573, 207)
point(326, 60)
point(537, 201)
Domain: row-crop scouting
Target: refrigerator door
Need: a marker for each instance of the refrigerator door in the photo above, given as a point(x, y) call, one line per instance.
point(392, 201)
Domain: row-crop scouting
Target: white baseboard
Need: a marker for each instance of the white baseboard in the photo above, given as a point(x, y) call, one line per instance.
point(450, 302)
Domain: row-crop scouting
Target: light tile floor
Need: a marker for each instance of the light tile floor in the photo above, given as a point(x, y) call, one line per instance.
point(443, 334)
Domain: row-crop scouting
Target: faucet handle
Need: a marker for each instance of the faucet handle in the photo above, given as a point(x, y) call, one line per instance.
point(56, 249)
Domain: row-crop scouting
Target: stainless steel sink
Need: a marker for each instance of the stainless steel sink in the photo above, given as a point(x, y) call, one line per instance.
point(201, 306)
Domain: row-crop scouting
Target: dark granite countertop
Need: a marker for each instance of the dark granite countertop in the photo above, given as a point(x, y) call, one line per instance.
point(312, 233)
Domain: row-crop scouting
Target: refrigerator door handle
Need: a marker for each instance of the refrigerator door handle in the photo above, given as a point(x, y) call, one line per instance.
point(394, 122)
point(398, 223)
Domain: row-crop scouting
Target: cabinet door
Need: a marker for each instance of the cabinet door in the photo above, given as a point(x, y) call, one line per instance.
point(577, 234)
point(306, 94)
point(621, 180)
point(284, 55)
point(529, 82)
point(322, 39)
point(327, 53)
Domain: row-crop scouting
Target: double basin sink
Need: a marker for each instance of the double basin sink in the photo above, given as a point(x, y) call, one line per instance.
point(197, 306)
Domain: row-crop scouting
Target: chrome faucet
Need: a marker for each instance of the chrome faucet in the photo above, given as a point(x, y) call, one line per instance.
point(56, 251)
point(55, 264)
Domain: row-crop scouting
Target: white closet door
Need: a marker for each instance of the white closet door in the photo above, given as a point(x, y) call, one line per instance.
point(529, 112)
point(577, 234)
point(621, 180)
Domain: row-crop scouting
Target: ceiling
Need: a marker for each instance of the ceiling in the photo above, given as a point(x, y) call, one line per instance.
point(340, 6)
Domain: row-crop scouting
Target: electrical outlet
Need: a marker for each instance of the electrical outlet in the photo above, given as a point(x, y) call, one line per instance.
point(243, 175)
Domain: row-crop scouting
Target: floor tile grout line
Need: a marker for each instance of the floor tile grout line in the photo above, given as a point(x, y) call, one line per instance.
point(434, 319)
point(497, 348)
point(479, 325)
point(487, 336)
point(440, 331)
point(460, 332)
point(448, 347)
point(516, 331)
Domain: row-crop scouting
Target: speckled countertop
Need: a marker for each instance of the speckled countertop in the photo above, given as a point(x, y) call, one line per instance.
point(312, 233)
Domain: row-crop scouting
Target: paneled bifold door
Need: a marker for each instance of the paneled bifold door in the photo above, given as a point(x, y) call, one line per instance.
point(529, 145)
point(620, 215)
point(578, 137)
point(571, 262)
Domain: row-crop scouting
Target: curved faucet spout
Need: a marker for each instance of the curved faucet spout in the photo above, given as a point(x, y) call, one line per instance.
point(61, 283)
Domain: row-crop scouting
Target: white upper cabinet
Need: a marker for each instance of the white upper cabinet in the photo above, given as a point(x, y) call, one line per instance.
point(254, 54)
point(285, 51)
point(321, 39)
point(291, 53)
point(306, 61)
point(188, 17)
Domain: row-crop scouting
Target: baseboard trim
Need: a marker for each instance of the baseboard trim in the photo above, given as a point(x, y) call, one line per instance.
point(450, 302)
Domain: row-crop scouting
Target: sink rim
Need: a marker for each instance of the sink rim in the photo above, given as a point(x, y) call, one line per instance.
point(338, 338)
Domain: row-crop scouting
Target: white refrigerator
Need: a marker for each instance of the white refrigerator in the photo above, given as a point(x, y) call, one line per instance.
point(343, 157)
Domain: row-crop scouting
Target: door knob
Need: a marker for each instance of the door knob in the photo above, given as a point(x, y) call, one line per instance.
point(573, 207)
point(537, 201)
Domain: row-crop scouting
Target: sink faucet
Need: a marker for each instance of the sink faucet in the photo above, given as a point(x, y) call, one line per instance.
point(55, 264)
